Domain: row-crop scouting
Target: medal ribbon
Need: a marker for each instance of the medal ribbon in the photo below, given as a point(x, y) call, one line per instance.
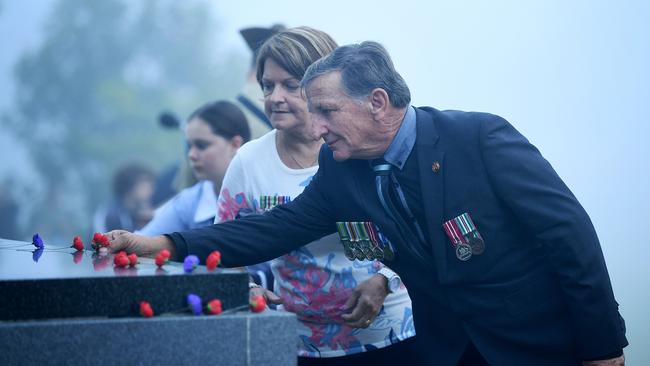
point(354, 237)
point(384, 239)
point(372, 234)
point(453, 232)
point(340, 226)
point(465, 223)
point(362, 231)
point(268, 202)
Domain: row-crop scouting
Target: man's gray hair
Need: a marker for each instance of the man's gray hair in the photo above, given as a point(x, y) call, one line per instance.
point(363, 67)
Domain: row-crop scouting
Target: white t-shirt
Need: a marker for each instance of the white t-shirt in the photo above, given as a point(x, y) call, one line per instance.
point(316, 280)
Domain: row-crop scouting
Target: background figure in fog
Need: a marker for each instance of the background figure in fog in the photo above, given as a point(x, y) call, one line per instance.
point(213, 133)
point(130, 207)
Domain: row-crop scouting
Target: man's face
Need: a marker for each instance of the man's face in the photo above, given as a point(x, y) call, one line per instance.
point(345, 124)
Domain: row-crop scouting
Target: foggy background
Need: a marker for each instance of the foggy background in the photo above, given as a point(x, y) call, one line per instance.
point(82, 83)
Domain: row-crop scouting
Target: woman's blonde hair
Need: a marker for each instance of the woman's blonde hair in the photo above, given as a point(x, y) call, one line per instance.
point(294, 50)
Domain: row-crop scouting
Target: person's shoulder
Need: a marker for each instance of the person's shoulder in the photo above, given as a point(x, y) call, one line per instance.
point(254, 149)
point(188, 196)
point(461, 124)
point(325, 156)
point(458, 117)
point(195, 189)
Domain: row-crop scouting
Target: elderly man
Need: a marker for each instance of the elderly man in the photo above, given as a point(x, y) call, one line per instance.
point(501, 261)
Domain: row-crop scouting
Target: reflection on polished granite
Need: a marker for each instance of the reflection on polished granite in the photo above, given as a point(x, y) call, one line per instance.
point(59, 282)
point(59, 306)
point(21, 260)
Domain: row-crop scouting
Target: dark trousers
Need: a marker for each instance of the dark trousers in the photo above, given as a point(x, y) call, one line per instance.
point(401, 353)
point(394, 355)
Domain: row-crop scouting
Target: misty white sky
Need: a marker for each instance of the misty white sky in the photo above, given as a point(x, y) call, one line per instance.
point(573, 76)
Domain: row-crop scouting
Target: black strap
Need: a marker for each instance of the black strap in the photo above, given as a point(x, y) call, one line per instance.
point(253, 109)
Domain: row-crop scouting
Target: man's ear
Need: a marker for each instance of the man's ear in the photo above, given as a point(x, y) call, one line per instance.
point(379, 101)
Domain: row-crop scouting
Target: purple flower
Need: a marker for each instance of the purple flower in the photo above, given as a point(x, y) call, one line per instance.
point(37, 241)
point(194, 302)
point(190, 262)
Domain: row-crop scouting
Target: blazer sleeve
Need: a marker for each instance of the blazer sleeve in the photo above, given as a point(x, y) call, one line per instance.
point(258, 238)
point(531, 188)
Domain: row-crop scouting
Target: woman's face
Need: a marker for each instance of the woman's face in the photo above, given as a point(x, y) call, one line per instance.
point(209, 154)
point(283, 102)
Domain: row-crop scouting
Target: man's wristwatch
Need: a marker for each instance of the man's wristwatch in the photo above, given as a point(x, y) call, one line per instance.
point(392, 279)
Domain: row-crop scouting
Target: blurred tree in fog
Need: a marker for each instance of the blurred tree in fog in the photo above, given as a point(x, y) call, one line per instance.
point(87, 98)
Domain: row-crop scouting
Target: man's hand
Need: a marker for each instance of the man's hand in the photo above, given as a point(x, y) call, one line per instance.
point(143, 246)
point(271, 297)
point(366, 301)
point(618, 361)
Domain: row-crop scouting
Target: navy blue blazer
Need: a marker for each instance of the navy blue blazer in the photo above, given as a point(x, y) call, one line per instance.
point(540, 294)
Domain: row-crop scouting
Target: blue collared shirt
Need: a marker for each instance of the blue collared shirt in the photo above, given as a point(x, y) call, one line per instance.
point(407, 183)
point(402, 145)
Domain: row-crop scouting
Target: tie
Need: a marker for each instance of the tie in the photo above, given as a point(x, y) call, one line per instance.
point(389, 193)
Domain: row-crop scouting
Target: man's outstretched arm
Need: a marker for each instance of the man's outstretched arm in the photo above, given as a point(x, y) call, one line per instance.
point(245, 241)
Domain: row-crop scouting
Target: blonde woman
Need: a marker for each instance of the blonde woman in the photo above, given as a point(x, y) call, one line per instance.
point(316, 282)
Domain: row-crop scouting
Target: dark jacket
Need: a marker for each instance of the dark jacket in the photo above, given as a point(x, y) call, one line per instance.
point(540, 294)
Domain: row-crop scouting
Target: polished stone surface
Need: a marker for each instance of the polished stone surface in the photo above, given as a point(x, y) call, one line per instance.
point(267, 338)
point(21, 260)
point(59, 306)
point(59, 282)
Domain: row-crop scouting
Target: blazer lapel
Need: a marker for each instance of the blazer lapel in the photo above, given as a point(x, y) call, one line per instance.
point(431, 163)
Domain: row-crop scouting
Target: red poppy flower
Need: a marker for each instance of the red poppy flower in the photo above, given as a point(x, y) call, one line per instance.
point(133, 259)
point(213, 260)
point(100, 240)
point(165, 253)
point(214, 307)
point(121, 260)
point(77, 243)
point(161, 260)
point(145, 309)
point(257, 303)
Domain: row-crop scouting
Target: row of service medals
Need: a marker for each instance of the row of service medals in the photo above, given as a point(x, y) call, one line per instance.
point(268, 202)
point(363, 240)
point(464, 236)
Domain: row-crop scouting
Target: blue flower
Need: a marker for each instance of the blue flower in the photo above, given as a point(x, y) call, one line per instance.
point(37, 241)
point(190, 263)
point(194, 302)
